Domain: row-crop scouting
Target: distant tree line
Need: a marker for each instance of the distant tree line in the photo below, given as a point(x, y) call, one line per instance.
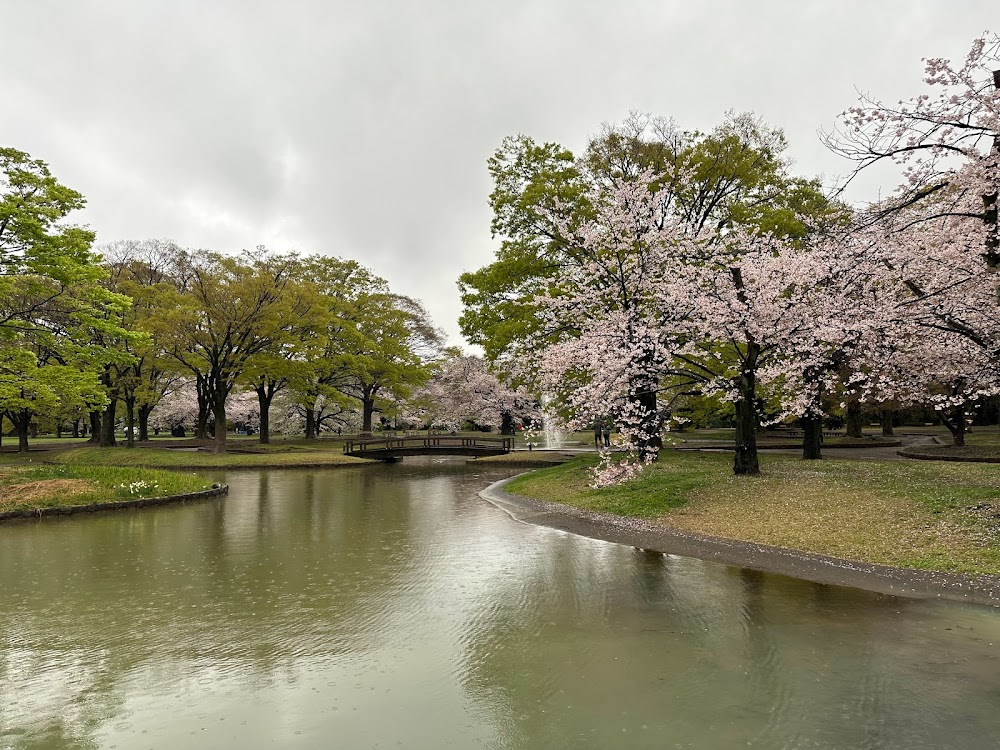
point(96, 339)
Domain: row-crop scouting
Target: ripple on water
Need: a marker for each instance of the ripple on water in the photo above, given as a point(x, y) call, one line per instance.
point(391, 605)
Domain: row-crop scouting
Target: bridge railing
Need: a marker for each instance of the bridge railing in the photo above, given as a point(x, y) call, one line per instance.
point(429, 442)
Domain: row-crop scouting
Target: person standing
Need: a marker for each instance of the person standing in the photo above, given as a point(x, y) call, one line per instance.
point(598, 431)
point(607, 435)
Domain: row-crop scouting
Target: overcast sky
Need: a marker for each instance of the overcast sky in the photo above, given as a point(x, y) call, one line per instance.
point(362, 129)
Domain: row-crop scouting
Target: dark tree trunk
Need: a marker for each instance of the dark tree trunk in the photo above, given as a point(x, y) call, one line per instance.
point(59, 428)
point(368, 410)
point(264, 398)
point(95, 427)
point(22, 423)
point(76, 427)
point(219, 413)
point(650, 440)
point(204, 409)
point(201, 424)
point(108, 425)
point(854, 422)
point(144, 411)
point(310, 421)
point(991, 203)
point(812, 438)
point(33, 429)
point(746, 460)
point(507, 423)
point(956, 425)
point(885, 418)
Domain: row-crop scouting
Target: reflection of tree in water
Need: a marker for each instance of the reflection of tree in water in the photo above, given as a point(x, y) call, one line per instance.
point(291, 565)
point(699, 653)
point(557, 641)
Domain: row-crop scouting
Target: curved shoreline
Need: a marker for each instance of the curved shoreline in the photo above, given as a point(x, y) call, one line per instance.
point(810, 566)
point(139, 502)
point(961, 459)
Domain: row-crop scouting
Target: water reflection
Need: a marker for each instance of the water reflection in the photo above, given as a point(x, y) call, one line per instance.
point(389, 606)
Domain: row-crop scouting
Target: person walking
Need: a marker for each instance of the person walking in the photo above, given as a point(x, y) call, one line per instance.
point(598, 428)
point(607, 435)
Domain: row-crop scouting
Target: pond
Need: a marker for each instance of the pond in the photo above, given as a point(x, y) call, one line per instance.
point(389, 606)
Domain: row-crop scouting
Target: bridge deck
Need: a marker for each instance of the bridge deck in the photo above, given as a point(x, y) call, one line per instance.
point(438, 445)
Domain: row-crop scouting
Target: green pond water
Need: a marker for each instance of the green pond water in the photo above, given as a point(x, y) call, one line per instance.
point(390, 607)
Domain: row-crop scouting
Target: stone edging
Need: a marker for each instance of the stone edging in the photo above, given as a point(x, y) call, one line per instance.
point(227, 467)
point(963, 459)
point(635, 532)
point(139, 502)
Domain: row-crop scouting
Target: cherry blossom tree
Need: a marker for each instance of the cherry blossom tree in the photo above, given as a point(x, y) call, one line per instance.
point(177, 409)
point(609, 349)
point(947, 143)
point(465, 390)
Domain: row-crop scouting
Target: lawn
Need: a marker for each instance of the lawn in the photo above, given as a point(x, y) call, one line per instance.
point(927, 515)
point(275, 456)
point(31, 486)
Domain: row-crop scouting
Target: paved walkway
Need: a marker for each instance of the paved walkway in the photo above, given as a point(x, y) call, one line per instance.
point(875, 453)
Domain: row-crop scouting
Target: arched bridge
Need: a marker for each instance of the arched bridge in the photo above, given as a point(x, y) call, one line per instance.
point(395, 448)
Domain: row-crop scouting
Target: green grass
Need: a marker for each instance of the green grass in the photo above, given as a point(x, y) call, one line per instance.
point(938, 516)
point(180, 459)
point(651, 495)
point(33, 486)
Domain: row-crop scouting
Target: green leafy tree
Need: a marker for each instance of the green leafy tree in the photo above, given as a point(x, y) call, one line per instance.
point(226, 310)
point(52, 304)
point(388, 351)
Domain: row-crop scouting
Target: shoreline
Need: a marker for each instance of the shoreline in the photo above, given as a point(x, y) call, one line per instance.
point(810, 566)
point(139, 502)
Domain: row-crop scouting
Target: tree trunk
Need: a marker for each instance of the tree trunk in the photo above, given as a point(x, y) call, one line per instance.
point(264, 407)
point(650, 440)
point(368, 410)
point(95, 427)
point(76, 427)
point(130, 422)
point(144, 411)
point(956, 425)
point(746, 460)
point(310, 421)
point(107, 439)
point(885, 418)
point(201, 424)
point(854, 422)
point(219, 412)
point(990, 204)
point(21, 421)
point(507, 423)
point(812, 438)
point(59, 428)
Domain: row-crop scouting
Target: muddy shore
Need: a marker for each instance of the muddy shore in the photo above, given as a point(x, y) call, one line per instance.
point(809, 566)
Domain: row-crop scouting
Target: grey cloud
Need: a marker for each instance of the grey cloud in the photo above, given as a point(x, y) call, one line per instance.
point(362, 129)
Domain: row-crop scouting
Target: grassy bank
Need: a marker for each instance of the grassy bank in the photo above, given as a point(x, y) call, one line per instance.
point(278, 457)
point(526, 459)
point(28, 487)
point(931, 516)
